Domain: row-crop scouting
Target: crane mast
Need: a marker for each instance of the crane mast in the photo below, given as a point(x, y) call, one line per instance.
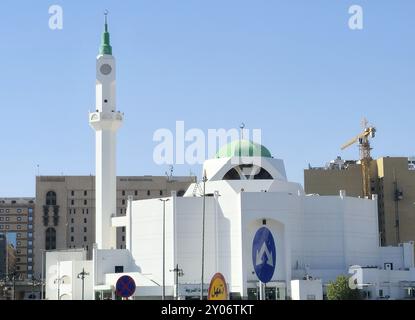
point(365, 157)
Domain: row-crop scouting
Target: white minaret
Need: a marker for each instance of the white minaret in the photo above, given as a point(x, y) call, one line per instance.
point(105, 121)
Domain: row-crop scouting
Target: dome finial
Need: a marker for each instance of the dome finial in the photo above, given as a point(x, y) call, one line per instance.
point(242, 127)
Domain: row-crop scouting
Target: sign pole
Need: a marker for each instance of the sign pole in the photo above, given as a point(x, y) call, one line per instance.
point(261, 290)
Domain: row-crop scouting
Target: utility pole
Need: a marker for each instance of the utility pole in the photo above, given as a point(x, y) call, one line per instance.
point(203, 233)
point(164, 247)
point(82, 276)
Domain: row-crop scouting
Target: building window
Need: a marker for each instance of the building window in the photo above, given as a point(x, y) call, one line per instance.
point(123, 192)
point(85, 229)
point(7, 210)
point(72, 193)
point(29, 251)
point(85, 193)
point(30, 235)
point(7, 218)
point(30, 219)
point(123, 229)
point(30, 211)
point(72, 239)
point(19, 210)
point(1, 210)
point(30, 243)
point(72, 220)
point(72, 202)
point(148, 192)
point(19, 243)
point(123, 240)
point(7, 227)
point(72, 229)
point(1, 226)
point(123, 202)
point(51, 198)
point(161, 192)
point(119, 269)
point(30, 226)
point(85, 202)
point(87, 211)
point(19, 218)
point(18, 235)
point(74, 211)
point(85, 238)
point(1, 218)
point(85, 221)
point(19, 227)
point(50, 239)
point(136, 193)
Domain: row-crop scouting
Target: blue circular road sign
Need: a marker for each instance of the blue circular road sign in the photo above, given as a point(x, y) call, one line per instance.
point(125, 286)
point(264, 254)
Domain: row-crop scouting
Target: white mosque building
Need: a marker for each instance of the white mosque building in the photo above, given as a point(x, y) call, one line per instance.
point(317, 238)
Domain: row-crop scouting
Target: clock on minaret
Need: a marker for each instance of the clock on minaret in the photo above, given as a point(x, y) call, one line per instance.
point(105, 69)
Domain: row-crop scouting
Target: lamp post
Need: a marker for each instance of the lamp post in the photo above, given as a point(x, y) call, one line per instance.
point(42, 280)
point(203, 233)
point(164, 247)
point(82, 276)
point(58, 281)
point(179, 273)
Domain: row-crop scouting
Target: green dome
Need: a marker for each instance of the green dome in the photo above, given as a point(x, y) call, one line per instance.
point(243, 148)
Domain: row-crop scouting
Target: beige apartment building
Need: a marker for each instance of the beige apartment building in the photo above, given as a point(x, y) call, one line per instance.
point(17, 230)
point(392, 179)
point(65, 207)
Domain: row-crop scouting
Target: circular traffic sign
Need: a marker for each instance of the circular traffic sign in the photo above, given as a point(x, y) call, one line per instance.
point(218, 290)
point(264, 254)
point(125, 286)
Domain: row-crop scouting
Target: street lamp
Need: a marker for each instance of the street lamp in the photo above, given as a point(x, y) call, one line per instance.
point(82, 276)
point(58, 281)
point(179, 273)
point(42, 277)
point(164, 247)
point(203, 233)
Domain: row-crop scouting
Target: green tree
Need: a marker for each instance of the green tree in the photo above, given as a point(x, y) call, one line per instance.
point(340, 290)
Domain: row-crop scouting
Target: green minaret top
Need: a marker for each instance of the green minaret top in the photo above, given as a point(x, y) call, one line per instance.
point(105, 44)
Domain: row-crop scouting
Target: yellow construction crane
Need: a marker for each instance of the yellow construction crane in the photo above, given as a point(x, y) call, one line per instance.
point(365, 158)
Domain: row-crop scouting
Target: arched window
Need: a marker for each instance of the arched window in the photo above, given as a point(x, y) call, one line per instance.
point(51, 198)
point(50, 239)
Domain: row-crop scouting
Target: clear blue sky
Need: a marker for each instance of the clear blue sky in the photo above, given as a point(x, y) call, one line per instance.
point(291, 68)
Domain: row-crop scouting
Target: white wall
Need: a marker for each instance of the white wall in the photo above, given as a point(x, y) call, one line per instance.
point(307, 290)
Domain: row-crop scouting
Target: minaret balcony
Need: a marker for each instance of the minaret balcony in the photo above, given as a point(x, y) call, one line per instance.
point(106, 120)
